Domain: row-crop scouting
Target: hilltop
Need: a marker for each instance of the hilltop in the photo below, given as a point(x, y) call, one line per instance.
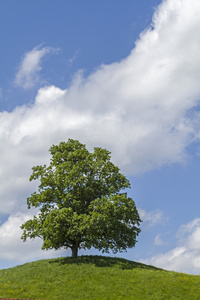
point(95, 277)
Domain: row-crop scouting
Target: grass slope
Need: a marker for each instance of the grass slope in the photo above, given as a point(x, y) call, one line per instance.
point(95, 277)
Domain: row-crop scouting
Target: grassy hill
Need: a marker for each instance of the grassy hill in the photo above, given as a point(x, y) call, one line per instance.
point(95, 277)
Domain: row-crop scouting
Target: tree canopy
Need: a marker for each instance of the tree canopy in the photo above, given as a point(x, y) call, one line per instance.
point(80, 202)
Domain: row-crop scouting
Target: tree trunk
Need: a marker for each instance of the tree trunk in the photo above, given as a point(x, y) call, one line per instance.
point(75, 249)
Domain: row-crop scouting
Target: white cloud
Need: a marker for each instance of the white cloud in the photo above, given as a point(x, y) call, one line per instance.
point(152, 218)
point(30, 67)
point(141, 108)
point(186, 256)
point(158, 241)
point(190, 234)
point(73, 58)
point(14, 249)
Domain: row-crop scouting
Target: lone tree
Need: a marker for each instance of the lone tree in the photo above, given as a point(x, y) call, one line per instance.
point(80, 204)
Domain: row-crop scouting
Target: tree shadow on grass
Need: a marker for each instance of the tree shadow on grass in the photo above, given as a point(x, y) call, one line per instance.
point(104, 261)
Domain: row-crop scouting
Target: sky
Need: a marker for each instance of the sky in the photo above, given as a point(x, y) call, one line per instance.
point(121, 75)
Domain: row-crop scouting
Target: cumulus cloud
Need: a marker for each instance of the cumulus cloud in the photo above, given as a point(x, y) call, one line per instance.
point(142, 109)
point(30, 67)
point(13, 248)
point(186, 256)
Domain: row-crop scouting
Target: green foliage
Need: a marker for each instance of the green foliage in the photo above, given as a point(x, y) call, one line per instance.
point(95, 277)
point(80, 202)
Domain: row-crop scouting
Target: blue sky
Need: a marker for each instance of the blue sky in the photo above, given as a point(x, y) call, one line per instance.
point(123, 75)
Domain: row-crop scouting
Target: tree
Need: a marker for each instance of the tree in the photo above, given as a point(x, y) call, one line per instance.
point(80, 204)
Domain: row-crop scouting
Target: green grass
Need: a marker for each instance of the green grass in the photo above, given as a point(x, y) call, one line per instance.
point(95, 277)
